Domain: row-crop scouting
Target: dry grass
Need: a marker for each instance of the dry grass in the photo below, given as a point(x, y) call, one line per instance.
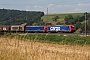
point(14, 49)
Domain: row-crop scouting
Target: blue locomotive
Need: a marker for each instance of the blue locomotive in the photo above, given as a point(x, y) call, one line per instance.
point(56, 28)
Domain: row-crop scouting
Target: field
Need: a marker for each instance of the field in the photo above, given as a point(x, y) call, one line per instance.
point(25, 49)
point(48, 18)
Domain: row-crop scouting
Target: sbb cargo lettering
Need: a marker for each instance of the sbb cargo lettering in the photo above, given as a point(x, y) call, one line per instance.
point(54, 28)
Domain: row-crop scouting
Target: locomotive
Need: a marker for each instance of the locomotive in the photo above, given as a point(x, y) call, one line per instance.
point(43, 29)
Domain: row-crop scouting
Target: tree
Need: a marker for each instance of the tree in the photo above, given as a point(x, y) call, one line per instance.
point(55, 18)
point(68, 19)
point(82, 28)
point(78, 24)
point(70, 16)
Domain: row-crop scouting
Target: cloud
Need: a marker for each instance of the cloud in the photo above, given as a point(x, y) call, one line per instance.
point(50, 5)
point(53, 7)
point(63, 5)
point(77, 9)
point(36, 6)
point(81, 4)
point(27, 8)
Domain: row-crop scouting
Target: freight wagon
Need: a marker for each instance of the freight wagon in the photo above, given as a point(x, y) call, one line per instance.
point(4, 28)
point(17, 28)
point(34, 29)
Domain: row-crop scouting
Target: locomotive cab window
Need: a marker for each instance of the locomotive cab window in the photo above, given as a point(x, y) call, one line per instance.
point(72, 26)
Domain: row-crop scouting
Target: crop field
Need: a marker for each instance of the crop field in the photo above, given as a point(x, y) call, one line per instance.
point(14, 48)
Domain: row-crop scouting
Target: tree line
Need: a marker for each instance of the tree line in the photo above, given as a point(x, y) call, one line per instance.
point(16, 17)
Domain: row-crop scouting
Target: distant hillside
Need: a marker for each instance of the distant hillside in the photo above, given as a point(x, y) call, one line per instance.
point(12, 17)
point(49, 17)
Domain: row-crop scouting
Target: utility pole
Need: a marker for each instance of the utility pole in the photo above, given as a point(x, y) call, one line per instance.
point(85, 24)
point(47, 13)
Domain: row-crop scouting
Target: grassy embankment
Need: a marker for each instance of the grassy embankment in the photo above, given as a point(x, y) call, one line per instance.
point(58, 39)
point(44, 47)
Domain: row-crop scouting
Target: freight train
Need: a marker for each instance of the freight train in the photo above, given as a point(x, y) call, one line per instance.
point(43, 29)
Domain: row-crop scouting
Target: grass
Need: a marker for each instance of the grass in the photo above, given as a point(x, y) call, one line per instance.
point(57, 39)
point(48, 18)
point(16, 49)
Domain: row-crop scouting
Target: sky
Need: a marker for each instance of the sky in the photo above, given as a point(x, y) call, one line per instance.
point(47, 6)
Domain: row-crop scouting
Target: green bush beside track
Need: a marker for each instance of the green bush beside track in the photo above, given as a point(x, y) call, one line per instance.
point(58, 39)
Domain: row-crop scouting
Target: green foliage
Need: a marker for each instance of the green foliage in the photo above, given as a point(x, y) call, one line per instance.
point(68, 40)
point(68, 19)
point(78, 24)
point(75, 40)
point(82, 27)
point(87, 40)
point(72, 20)
point(55, 18)
point(88, 26)
point(12, 17)
point(77, 21)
